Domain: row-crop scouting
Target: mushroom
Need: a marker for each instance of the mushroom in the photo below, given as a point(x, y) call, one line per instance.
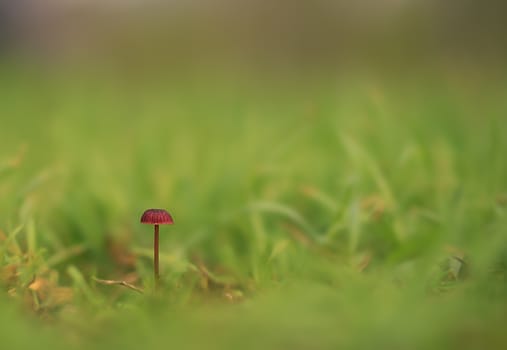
point(156, 217)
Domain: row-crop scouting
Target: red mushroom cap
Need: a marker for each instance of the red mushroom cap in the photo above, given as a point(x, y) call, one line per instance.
point(156, 217)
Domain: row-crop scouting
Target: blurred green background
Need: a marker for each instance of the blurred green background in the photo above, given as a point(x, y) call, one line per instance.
point(336, 173)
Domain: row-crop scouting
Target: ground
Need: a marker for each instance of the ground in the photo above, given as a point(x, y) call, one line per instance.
point(309, 212)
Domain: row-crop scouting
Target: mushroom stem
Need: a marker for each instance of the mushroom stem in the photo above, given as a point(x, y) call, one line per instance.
point(155, 256)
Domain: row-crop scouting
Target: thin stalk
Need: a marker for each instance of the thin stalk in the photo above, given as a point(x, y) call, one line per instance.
point(155, 257)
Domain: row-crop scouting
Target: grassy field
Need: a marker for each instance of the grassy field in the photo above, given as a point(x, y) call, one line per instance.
point(309, 213)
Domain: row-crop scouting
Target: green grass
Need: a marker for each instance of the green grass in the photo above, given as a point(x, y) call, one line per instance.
point(309, 213)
